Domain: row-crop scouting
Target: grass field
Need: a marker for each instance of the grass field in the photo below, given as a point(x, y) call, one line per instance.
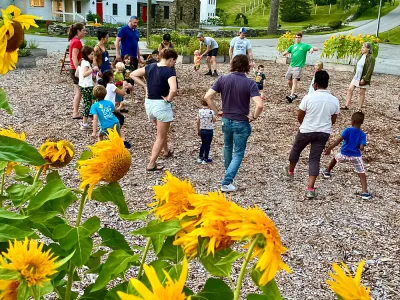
point(373, 12)
point(392, 36)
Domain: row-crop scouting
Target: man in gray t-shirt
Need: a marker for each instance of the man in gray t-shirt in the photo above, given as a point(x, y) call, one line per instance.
point(211, 51)
point(241, 45)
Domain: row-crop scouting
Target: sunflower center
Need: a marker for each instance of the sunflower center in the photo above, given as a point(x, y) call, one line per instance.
point(16, 40)
point(118, 167)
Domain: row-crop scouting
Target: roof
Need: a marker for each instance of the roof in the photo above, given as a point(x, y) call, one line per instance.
point(145, 1)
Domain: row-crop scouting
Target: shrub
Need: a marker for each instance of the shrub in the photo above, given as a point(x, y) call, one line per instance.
point(91, 17)
point(295, 10)
point(285, 41)
point(33, 44)
point(23, 45)
point(241, 20)
point(24, 52)
point(140, 22)
point(182, 25)
point(335, 24)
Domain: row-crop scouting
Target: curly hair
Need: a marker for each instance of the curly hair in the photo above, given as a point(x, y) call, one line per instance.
point(240, 63)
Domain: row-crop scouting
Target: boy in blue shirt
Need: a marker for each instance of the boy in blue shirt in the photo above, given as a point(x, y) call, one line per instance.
point(354, 140)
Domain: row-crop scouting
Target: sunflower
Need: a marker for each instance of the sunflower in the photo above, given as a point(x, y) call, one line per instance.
point(8, 289)
point(172, 197)
point(345, 285)
point(252, 223)
point(28, 259)
point(12, 28)
point(110, 162)
point(58, 154)
point(12, 134)
point(173, 290)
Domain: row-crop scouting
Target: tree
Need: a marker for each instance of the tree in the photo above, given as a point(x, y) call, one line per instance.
point(273, 17)
point(295, 10)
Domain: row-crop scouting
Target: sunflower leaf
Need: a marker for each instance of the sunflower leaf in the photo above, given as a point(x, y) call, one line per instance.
point(171, 252)
point(19, 151)
point(155, 229)
point(139, 215)
point(19, 193)
point(256, 297)
point(61, 262)
point(214, 289)
point(213, 264)
point(23, 290)
point(10, 232)
point(271, 289)
point(4, 103)
point(111, 192)
point(113, 239)
point(6, 214)
point(6, 274)
point(83, 248)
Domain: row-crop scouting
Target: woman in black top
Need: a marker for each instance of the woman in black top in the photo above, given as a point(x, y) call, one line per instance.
point(160, 91)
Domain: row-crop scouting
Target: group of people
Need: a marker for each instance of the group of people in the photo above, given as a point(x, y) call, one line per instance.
point(317, 111)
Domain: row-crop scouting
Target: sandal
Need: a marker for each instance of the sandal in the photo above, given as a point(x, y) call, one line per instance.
point(155, 168)
point(169, 154)
point(77, 118)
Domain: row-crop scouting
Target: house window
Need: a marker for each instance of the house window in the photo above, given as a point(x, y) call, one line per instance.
point(194, 13)
point(36, 3)
point(166, 12)
point(153, 11)
point(79, 7)
point(181, 14)
point(128, 9)
point(115, 9)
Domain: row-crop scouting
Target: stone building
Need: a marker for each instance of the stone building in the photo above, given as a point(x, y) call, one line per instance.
point(173, 13)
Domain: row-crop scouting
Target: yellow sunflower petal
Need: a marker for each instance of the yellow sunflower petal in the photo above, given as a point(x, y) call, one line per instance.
point(9, 289)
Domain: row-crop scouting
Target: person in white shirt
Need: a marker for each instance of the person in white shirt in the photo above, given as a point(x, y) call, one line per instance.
point(205, 129)
point(317, 113)
point(241, 45)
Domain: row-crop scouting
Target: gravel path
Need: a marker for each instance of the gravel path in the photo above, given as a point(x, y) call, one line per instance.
point(337, 226)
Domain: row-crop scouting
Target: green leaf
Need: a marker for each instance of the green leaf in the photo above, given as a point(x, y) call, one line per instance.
point(9, 232)
point(139, 215)
point(61, 291)
point(3, 102)
point(213, 264)
point(170, 251)
point(21, 170)
point(53, 175)
point(94, 261)
point(256, 297)
point(93, 295)
point(113, 239)
point(19, 151)
point(19, 193)
point(83, 248)
point(6, 214)
point(230, 258)
point(214, 289)
point(41, 291)
point(6, 274)
point(154, 229)
point(61, 262)
point(23, 290)
point(270, 290)
point(111, 192)
point(41, 217)
point(173, 271)
point(117, 262)
point(339, 297)
point(84, 156)
point(112, 294)
point(157, 242)
point(89, 227)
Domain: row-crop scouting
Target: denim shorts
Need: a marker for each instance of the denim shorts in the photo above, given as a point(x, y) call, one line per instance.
point(159, 109)
point(118, 98)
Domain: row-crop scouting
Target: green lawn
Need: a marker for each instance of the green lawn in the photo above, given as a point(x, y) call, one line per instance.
point(391, 37)
point(372, 13)
point(343, 28)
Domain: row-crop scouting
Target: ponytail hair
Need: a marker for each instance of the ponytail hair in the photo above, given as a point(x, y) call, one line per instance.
point(73, 30)
point(168, 53)
point(107, 76)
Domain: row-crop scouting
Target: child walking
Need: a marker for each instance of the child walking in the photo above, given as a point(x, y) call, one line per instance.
point(354, 140)
point(85, 71)
point(205, 129)
point(319, 65)
point(197, 60)
point(260, 77)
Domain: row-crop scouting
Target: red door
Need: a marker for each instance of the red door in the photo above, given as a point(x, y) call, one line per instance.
point(99, 10)
point(144, 14)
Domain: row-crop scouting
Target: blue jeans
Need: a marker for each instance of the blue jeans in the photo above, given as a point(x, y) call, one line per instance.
point(236, 134)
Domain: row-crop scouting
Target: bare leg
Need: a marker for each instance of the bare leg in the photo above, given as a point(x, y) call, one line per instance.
point(294, 86)
point(311, 181)
point(95, 124)
point(363, 179)
point(161, 141)
point(214, 63)
point(332, 164)
point(208, 60)
point(77, 100)
point(362, 98)
point(290, 84)
point(349, 95)
point(292, 165)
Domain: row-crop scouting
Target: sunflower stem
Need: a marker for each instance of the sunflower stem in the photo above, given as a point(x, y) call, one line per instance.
point(69, 282)
point(243, 270)
point(38, 174)
point(82, 205)
point(146, 249)
point(3, 178)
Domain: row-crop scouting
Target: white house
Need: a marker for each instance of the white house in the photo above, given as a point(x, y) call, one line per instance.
point(207, 9)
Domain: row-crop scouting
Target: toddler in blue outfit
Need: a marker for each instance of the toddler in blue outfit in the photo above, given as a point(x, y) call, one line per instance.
point(354, 141)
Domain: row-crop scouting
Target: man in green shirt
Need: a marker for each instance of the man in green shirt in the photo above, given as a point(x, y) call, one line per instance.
point(299, 54)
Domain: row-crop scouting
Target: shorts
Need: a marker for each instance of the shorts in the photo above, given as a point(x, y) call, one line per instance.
point(357, 84)
point(120, 117)
point(356, 160)
point(104, 131)
point(293, 73)
point(72, 75)
point(119, 98)
point(260, 87)
point(213, 52)
point(159, 109)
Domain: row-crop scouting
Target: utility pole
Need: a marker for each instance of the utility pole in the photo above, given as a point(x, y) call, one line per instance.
point(379, 18)
point(148, 22)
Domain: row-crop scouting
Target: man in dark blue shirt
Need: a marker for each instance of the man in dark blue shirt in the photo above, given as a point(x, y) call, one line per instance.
point(127, 41)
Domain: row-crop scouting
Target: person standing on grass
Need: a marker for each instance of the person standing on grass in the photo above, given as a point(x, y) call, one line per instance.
point(354, 140)
point(236, 90)
point(362, 75)
point(317, 113)
point(241, 45)
point(127, 42)
point(75, 34)
point(299, 54)
point(211, 51)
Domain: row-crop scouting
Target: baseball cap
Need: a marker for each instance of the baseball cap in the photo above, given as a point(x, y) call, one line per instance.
point(242, 30)
point(199, 34)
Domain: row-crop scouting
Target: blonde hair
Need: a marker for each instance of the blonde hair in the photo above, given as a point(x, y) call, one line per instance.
point(196, 52)
point(99, 92)
point(320, 65)
point(120, 66)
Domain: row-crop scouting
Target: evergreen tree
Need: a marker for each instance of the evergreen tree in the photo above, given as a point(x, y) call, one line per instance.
point(295, 10)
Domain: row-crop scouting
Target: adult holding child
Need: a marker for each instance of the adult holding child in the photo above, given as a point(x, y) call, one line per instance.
point(299, 55)
point(236, 91)
point(160, 90)
point(75, 34)
point(241, 45)
point(362, 75)
point(211, 52)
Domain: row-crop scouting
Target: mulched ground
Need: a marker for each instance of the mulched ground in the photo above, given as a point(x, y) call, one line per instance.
point(336, 226)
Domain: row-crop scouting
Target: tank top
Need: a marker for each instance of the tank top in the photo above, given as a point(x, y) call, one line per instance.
point(105, 60)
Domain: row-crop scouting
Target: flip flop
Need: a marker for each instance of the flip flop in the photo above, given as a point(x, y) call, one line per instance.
point(155, 168)
point(77, 118)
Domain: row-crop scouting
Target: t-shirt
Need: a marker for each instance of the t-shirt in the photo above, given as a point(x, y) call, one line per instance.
point(129, 41)
point(311, 88)
point(111, 87)
point(84, 81)
point(197, 60)
point(151, 61)
point(352, 139)
point(157, 80)
point(104, 110)
point(236, 90)
point(119, 77)
point(75, 43)
point(206, 118)
point(209, 41)
point(360, 68)
point(299, 54)
point(319, 108)
point(260, 77)
point(240, 46)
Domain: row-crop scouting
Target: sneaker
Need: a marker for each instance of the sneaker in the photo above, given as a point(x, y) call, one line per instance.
point(208, 160)
point(127, 145)
point(397, 138)
point(290, 98)
point(208, 73)
point(295, 96)
point(290, 176)
point(228, 188)
point(203, 162)
point(85, 127)
point(199, 160)
point(215, 74)
point(310, 194)
point(326, 174)
point(366, 196)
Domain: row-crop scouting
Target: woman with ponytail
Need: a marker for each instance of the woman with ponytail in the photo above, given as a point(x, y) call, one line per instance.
point(75, 34)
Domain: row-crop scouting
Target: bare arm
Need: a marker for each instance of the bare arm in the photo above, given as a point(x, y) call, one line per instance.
point(300, 116)
point(117, 50)
point(75, 53)
point(251, 57)
point(337, 142)
point(258, 109)
point(285, 53)
point(313, 49)
point(96, 52)
point(207, 50)
point(333, 119)
point(362, 147)
point(230, 53)
point(209, 97)
point(172, 89)
point(87, 71)
point(198, 125)
point(121, 92)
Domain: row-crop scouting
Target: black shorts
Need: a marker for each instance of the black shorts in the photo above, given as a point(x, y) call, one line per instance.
point(260, 87)
point(72, 75)
point(213, 52)
point(120, 118)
